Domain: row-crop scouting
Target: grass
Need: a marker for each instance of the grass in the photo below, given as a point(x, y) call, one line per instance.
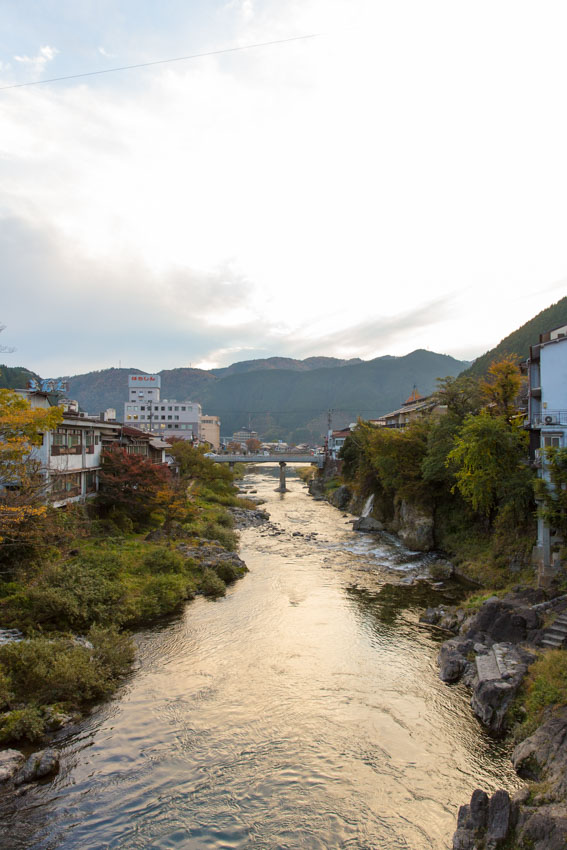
point(544, 687)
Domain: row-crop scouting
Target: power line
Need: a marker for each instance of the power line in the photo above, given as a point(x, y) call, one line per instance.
point(165, 61)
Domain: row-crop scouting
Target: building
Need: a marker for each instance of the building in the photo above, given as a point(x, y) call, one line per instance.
point(546, 368)
point(243, 435)
point(70, 456)
point(145, 409)
point(335, 441)
point(210, 430)
point(415, 407)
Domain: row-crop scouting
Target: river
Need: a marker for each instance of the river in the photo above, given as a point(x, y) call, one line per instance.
point(304, 710)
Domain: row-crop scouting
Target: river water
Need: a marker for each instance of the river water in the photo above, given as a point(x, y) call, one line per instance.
point(304, 710)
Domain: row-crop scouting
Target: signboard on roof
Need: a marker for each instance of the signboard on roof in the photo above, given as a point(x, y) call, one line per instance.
point(48, 385)
point(144, 382)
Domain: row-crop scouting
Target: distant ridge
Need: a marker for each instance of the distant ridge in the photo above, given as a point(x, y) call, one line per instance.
point(283, 363)
point(519, 341)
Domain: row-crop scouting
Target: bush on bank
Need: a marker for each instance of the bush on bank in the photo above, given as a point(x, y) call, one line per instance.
point(467, 467)
point(101, 573)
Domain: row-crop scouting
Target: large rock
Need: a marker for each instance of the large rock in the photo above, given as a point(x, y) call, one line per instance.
point(453, 659)
point(414, 526)
point(484, 823)
point(38, 765)
point(544, 754)
point(499, 819)
point(367, 523)
point(341, 497)
point(10, 761)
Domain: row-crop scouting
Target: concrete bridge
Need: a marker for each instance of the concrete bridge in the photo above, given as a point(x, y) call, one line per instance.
point(282, 459)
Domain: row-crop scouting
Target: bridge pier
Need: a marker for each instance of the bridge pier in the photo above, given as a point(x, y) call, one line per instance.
point(282, 488)
point(231, 464)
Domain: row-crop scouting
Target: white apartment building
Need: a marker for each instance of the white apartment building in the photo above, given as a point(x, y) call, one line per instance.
point(547, 422)
point(145, 409)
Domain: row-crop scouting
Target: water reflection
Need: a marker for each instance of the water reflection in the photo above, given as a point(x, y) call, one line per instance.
point(302, 711)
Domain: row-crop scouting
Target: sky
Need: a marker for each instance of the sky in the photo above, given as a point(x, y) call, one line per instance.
point(395, 181)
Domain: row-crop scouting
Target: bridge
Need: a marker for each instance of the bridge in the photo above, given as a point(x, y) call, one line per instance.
point(282, 459)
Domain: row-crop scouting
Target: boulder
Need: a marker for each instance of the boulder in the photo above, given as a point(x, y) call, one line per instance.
point(490, 701)
point(499, 819)
point(367, 523)
point(485, 822)
point(453, 659)
point(10, 761)
point(40, 764)
point(544, 754)
point(414, 526)
point(341, 497)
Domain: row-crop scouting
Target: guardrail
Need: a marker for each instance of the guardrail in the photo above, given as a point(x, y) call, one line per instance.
point(548, 417)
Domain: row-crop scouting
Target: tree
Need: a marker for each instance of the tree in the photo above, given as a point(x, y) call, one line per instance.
point(554, 494)
point(501, 387)
point(253, 445)
point(131, 486)
point(22, 496)
point(488, 463)
point(460, 395)
point(234, 448)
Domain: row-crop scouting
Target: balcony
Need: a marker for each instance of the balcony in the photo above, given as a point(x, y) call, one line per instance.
point(549, 418)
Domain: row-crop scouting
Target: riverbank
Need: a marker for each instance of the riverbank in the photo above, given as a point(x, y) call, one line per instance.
point(518, 688)
point(67, 611)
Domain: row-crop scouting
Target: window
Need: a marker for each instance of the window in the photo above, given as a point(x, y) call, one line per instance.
point(552, 441)
point(163, 408)
point(176, 426)
point(170, 408)
point(176, 417)
point(170, 417)
point(177, 408)
point(183, 408)
point(142, 407)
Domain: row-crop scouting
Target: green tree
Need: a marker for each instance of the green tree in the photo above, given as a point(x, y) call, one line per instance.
point(489, 463)
point(501, 387)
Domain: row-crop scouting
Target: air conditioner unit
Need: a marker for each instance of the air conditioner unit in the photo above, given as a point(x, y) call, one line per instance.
point(549, 419)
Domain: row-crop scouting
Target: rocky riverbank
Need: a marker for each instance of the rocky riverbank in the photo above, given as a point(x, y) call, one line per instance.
point(491, 653)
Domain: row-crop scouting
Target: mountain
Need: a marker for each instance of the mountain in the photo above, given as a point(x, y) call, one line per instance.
point(518, 342)
point(282, 403)
point(282, 363)
point(279, 397)
point(15, 377)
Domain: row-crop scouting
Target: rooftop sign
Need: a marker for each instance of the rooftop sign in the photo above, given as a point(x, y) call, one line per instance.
point(144, 381)
point(47, 386)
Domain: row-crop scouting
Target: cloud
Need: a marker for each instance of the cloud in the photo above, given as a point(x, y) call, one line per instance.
point(37, 63)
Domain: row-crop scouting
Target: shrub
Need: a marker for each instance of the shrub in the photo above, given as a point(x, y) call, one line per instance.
point(211, 584)
point(20, 724)
point(228, 571)
point(226, 537)
point(50, 671)
point(113, 650)
point(162, 594)
point(164, 561)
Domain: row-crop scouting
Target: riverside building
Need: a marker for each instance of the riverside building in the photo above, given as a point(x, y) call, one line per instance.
point(145, 409)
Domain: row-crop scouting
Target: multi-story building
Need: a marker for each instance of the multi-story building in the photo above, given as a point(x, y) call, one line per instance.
point(243, 435)
point(547, 422)
point(70, 456)
point(210, 430)
point(145, 409)
point(413, 408)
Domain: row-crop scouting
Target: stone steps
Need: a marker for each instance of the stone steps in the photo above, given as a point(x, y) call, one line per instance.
point(555, 635)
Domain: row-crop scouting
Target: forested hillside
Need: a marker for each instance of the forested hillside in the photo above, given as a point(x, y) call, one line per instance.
point(282, 403)
point(518, 342)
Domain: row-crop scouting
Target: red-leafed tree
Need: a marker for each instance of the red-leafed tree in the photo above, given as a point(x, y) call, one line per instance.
point(130, 485)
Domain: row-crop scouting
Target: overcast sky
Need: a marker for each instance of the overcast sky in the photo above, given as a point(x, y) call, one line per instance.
point(399, 181)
